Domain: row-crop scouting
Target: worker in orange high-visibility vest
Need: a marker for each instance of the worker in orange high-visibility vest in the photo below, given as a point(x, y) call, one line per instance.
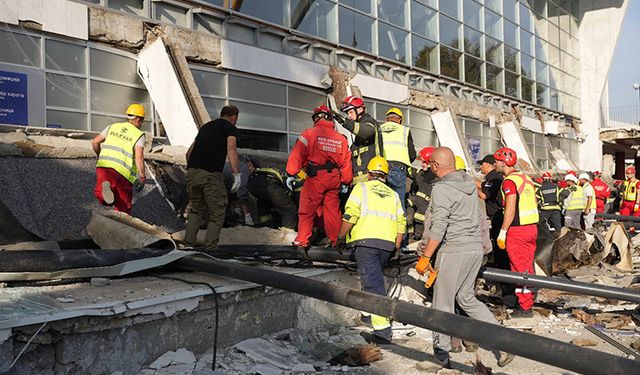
point(519, 230)
point(630, 198)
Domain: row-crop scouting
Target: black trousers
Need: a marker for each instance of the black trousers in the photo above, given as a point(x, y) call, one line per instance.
point(553, 218)
point(273, 196)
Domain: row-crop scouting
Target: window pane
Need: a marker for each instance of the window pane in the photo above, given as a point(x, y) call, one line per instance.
point(542, 72)
point(527, 89)
point(240, 33)
point(257, 90)
point(65, 91)
point(450, 62)
point(420, 120)
point(449, 32)
point(392, 42)
point(472, 70)
point(493, 24)
point(525, 17)
point(511, 84)
point(542, 50)
point(111, 98)
point(392, 11)
point(472, 42)
point(129, 6)
point(526, 42)
point(495, 5)
point(424, 21)
point(540, 7)
point(258, 140)
point(450, 8)
point(214, 106)
point(171, 14)
point(64, 56)
point(425, 54)
point(494, 78)
point(472, 127)
point(355, 30)
point(209, 83)
point(66, 120)
point(20, 49)
point(256, 116)
point(319, 20)
point(99, 122)
point(526, 66)
point(115, 67)
point(493, 51)
point(268, 10)
point(208, 24)
point(509, 10)
point(382, 108)
point(299, 121)
point(553, 36)
point(423, 138)
point(510, 34)
point(304, 99)
point(363, 5)
point(472, 14)
point(511, 58)
point(542, 95)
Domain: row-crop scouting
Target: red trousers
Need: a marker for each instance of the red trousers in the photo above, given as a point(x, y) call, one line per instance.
point(521, 249)
point(121, 187)
point(626, 209)
point(600, 205)
point(317, 192)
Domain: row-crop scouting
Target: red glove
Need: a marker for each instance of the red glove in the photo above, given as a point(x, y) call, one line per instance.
point(423, 265)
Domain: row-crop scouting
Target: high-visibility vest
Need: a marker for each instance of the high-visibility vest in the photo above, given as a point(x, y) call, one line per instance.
point(526, 207)
point(593, 205)
point(117, 151)
point(575, 200)
point(548, 196)
point(377, 214)
point(630, 191)
point(395, 139)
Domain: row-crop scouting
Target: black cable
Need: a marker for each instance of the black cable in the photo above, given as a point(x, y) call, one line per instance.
point(217, 303)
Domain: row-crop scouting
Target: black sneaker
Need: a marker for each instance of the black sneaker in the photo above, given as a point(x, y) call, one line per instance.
point(520, 314)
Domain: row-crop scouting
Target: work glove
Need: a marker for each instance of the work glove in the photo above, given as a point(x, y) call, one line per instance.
point(290, 182)
point(248, 220)
point(138, 185)
point(338, 117)
point(341, 244)
point(424, 263)
point(502, 239)
point(344, 189)
point(636, 207)
point(237, 180)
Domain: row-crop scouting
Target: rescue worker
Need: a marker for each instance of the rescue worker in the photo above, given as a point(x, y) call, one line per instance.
point(519, 230)
point(420, 193)
point(120, 165)
point(216, 140)
point(603, 192)
point(573, 202)
point(549, 202)
point(454, 231)
point(630, 205)
point(324, 155)
point(267, 185)
point(373, 225)
point(589, 213)
point(368, 137)
point(399, 151)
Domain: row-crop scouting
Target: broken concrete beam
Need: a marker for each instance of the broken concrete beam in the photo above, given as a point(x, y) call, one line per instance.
point(340, 81)
point(115, 28)
point(194, 46)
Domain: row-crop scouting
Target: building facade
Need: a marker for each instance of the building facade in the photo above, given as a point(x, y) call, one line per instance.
point(547, 58)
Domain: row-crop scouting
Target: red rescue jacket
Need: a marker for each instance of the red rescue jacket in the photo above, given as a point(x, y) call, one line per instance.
point(319, 145)
point(601, 188)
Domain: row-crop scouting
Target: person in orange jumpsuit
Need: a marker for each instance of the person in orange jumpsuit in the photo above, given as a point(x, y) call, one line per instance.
point(325, 156)
point(603, 191)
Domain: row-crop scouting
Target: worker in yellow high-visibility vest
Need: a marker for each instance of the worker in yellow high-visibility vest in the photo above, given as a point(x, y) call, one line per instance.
point(399, 151)
point(589, 213)
point(120, 150)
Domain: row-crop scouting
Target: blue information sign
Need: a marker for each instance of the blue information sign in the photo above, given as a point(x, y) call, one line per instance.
point(14, 108)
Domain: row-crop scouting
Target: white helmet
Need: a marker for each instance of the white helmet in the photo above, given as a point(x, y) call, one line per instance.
point(571, 177)
point(584, 176)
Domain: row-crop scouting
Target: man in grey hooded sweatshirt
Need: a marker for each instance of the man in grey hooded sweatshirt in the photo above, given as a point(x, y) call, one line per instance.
point(455, 232)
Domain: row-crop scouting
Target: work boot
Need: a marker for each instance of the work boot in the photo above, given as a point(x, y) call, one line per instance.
point(505, 359)
point(521, 314)
point(107, 194)
point(366, 320)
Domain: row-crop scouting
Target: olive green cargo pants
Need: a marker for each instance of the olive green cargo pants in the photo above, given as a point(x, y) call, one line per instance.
point(206, 189)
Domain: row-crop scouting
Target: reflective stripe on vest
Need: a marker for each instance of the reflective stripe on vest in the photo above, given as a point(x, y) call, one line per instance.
point(575, 200)
point(117, 151)
point(630, 191)
point(380, 209)
point(526, 208)
point(593, 205)
point(423, 196)
point(395, 139)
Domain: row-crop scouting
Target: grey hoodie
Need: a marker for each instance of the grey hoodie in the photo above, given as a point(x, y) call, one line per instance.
point(454, 211)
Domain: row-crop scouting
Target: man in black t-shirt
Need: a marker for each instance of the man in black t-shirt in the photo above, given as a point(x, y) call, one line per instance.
point(205, 161)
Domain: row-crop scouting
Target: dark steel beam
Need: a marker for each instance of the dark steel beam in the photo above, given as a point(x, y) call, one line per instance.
point(618, 217)
point(537, 348)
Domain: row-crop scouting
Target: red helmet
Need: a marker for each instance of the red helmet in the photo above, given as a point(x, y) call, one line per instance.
point(597, 173)
point(321, 112)
point(630, 170)
point(573, 173)
point(506, 155)
point(352, 102)
point(546, 175)
point(425, 153)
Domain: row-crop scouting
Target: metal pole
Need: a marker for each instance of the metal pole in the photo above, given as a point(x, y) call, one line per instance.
point(537, 348)
point(556, 283)
point(618, 217)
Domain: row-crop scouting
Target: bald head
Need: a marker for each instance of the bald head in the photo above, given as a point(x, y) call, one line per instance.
point(443, 161)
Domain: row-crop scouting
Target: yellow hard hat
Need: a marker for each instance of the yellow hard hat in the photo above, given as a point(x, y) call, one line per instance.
point(135, 110)
point(395, 111)
point(460, 164)
point(378, 164)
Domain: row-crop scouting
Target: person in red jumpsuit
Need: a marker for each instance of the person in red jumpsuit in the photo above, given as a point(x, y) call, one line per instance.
point(325, 156)
point(603, 191)
point(630, 205)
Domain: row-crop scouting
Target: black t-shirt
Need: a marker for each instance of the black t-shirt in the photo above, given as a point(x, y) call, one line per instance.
point(210, 147)
point(491, 188)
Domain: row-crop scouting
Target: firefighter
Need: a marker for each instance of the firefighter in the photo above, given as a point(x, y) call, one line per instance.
point(324, 154)
point(420, 193)
point(630, 198)
point(373, 224)
point(549, 202)
point(368, 137)
point(399, 151)
point(573, 203)
point(589, 213)
point(519, 230)
point(267, 185)
point(603, 192)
